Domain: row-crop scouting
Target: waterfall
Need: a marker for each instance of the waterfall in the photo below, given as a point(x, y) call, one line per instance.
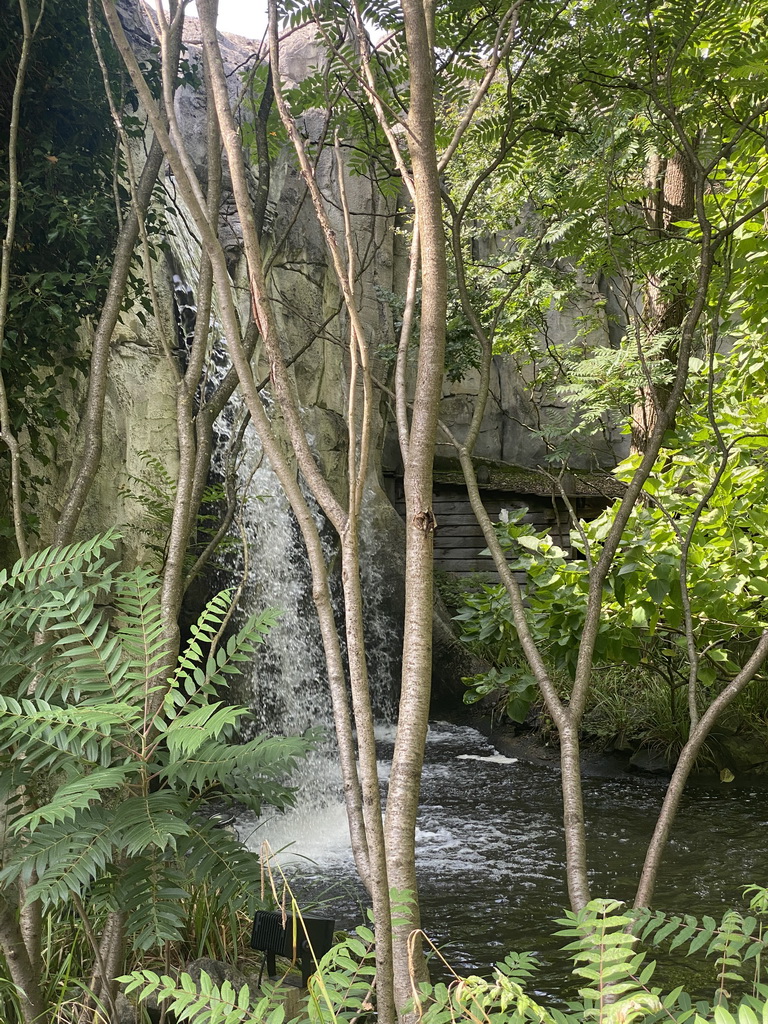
point(286, 686)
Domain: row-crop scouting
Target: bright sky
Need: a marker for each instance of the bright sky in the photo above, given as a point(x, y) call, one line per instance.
point(246, 17)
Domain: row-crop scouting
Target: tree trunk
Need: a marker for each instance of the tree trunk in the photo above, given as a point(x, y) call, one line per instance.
point(24, 975)
point(408, 757)
point(665, 303)
point(685, 763)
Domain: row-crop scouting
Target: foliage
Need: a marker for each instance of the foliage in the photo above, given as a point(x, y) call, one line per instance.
point(109, 772)
point(606, 943)
point(342, 987)
point(568, 226)
point(699, 526)
point(67, 221)
point(206, 1002)
point(614, 976)
point(155, 493)
point(600, 90)
point(519, 688)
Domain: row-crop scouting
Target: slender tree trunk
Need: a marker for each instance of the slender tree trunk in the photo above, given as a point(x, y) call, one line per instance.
point(21, 941)
point(408, 757)
point(190, 190)
point(685, 763)
point(193, 471)
point(91, 426)
point(7, 434)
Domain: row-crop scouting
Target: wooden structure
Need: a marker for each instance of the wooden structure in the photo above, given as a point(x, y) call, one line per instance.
point(459, 540)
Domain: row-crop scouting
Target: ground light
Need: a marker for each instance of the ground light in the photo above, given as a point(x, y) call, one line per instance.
point(306, 938)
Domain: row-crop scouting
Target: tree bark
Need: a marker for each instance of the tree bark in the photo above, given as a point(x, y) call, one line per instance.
point(193, 471)
point(91, 427)
point(408, 757)
point(24, 975)
point(7, 435)
point(191, 192)
point(672, 199)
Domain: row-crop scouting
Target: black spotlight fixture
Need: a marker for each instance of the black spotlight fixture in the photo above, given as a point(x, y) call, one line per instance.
point(306, 939)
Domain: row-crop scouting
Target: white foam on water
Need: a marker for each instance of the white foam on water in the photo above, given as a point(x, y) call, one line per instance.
point(306, 836)
point(490, 758)
point(314, 832)
point(463, 735)
point(385, 732)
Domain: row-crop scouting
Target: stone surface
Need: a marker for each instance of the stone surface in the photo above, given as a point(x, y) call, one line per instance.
point(126, 1011)
point(140, 408)
point(217, 971)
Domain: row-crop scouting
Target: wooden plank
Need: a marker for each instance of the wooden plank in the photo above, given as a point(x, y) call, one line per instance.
point(455, 519)
point(468, 565)
point(460, 568)
point(448, 544)
point(461, 553)
point(450, 528)
point(449, 534)
point(467, 519)
point(469, 568)
point(448, 538)
point(465, 515)
point(457, 504)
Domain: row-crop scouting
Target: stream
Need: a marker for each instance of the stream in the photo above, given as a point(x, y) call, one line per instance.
point(490, 850)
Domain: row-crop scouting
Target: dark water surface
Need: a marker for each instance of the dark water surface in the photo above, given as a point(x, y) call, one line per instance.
point(490, 849)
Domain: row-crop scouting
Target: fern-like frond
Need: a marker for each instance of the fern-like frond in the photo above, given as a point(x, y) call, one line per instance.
point(74, 796)
point(253, 773)
point(139, 623)
point(152, 890)
point(47, 733)
point(66, 857)
point(89, 663)
point(189, 676)
point(151, 821)
point(188, 1000)
point(197, 725)
point(198, 674)
point(732, 942)
point(39, 569)
point(213, 856)
point(604, 953)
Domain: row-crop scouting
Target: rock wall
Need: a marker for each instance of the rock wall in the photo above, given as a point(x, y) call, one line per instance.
point(140, 412)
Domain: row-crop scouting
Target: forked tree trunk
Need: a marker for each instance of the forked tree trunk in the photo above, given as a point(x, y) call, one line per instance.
point(408, 757)
point(24, 975)
point(364, 812)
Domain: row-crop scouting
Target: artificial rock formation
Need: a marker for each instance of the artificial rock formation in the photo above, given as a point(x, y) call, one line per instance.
point(140, 411)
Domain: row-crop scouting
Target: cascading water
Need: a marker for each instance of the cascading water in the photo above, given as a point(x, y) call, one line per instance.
point(287, 686)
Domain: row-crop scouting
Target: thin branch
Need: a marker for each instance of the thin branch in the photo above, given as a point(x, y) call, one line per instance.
point(165, 342)
point(499, 51)
point(101, 970)
point(7, 433)
point(683, 768)
point(369, 84)
point(575, 521)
